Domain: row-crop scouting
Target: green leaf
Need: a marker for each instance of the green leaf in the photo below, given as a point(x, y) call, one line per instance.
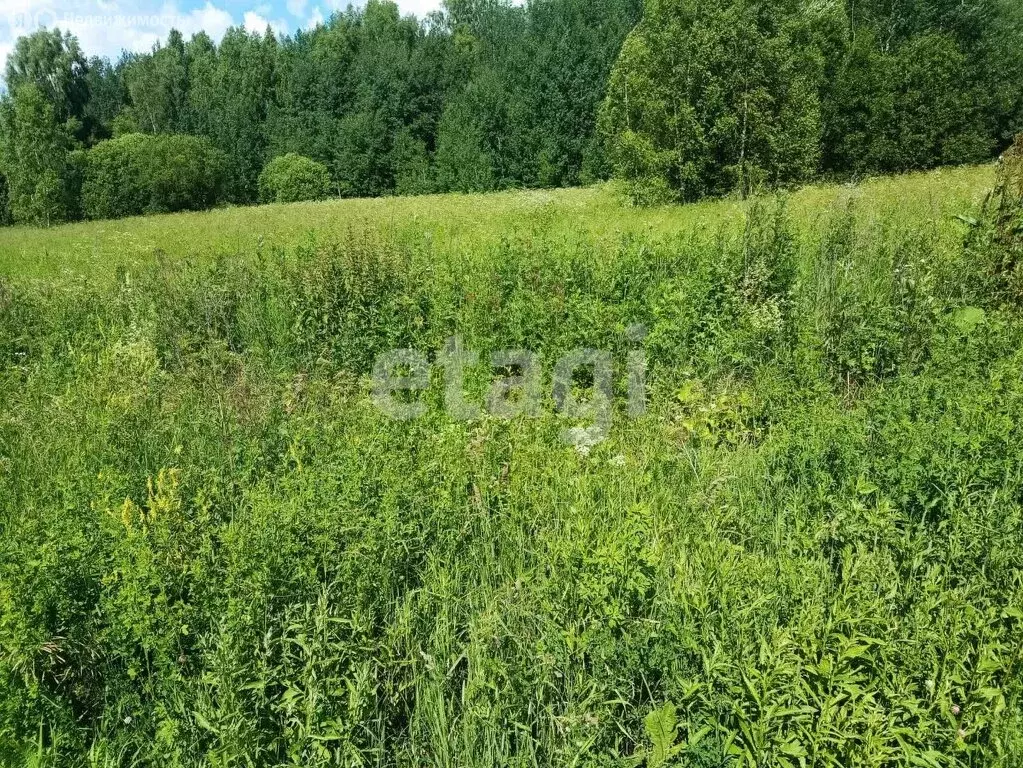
point(662, 730)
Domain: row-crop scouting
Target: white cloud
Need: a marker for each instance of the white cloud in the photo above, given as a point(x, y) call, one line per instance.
point(256, 23)
point(108, 27)
point(214, 21)
point(109, 33)
point(16, 12)
point(253, 22)
point(315, 18)
point(419, 7)
point(296, 7)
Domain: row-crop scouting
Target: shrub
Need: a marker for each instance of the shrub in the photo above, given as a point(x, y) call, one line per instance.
point(137, 174)
point(5, 202)
point(643, 169)
point(1010, 192)
point(1008, 220)
point(293, 178)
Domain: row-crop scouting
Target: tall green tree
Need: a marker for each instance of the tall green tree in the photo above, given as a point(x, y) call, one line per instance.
point(468, 141)
point(241, 88)
point(107, 98)
point(53, 62)
point(157, 86)
point(381, 86)
point(488, 121)
point(35, 156)
point(570, 49)
point(940, 121)
point(711, 97)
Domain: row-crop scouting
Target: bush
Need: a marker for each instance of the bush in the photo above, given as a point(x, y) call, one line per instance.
point(997, 240)
point(293, 178)
point(5, 202)
point(137, 174)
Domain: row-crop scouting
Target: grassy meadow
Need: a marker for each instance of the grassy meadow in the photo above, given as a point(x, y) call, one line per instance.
point(216, 551)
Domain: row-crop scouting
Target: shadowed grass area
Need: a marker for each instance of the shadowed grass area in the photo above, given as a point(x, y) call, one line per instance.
point(216, 550)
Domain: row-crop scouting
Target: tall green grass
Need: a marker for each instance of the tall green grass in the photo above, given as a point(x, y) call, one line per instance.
point(216, 551)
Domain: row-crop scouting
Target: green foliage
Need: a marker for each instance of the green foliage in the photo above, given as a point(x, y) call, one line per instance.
point(464, 162)
point(572, 47)
point(53, 62)
point(703, 98)
point(805, 553)
point(711, 97)
point(157, 87)
point(5, 201)
point(35, 157)
point(471, 99)
point(996, 239)
point(138, 173)
point(661, 727)
point(707, 98)
point(106, 95)
point(413, 174)
point(292, 178)
point(911, 110)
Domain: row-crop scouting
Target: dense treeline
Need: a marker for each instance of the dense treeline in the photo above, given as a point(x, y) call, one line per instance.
point(732, 94)
point(705, 98)
point(482, 96)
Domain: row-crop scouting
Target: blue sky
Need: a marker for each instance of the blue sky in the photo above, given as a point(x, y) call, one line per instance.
point(106, 27)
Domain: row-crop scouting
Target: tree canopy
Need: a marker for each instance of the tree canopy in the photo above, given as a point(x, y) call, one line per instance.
point(710, 97)
point(680, 98)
